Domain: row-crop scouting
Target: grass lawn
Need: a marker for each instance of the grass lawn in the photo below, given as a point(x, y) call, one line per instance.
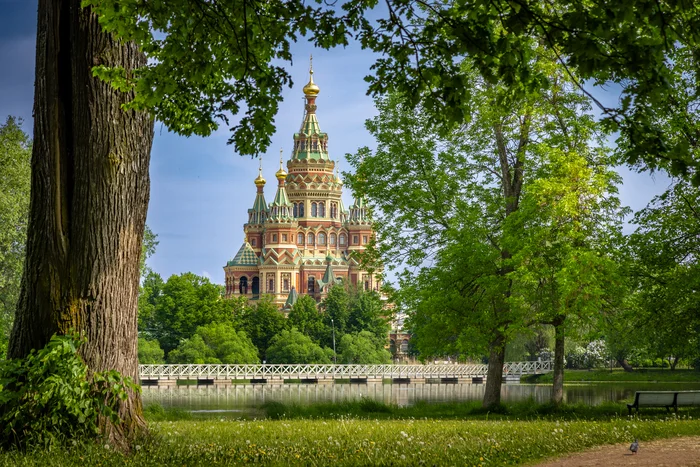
point(617, 375)
point(502, 439)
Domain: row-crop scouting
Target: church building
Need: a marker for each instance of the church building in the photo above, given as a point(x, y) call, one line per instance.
point(305, 239)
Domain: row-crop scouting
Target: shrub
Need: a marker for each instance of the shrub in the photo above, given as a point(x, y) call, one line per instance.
point(47, 398)
point(150, 351)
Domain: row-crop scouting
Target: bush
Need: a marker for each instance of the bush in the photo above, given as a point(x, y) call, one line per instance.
point(150, 351)
point(294, 347)
point(48, 399)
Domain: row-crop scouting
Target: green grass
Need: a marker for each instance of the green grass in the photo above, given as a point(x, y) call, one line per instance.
point(642, 375)
point(349, 441)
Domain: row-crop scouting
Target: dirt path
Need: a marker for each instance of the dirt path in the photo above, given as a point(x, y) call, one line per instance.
point(659, 453)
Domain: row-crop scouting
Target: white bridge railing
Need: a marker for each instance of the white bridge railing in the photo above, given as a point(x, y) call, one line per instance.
point(311, 371)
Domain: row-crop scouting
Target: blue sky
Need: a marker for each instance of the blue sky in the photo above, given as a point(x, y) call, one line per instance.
point(200, 188)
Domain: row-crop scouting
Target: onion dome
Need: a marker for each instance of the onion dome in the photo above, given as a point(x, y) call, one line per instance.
point(281, 174)
point(260, 181)
point(311, 89)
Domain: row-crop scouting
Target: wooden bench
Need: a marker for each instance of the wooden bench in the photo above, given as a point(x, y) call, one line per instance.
point(666, 399)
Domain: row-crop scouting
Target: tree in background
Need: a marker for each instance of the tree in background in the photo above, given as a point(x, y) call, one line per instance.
point(666, 273)
point(366, 313)
point(261, 322)
point(15, 175)
point(451, 195)
point(306, 318)
point(362, 347)
point(150, 351)
point(336, 309)
point(215, 343)
point(291, 346)
point(180, 306)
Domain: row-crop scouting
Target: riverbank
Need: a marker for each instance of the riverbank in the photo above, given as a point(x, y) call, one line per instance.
point(350, 441)
point(650, 375)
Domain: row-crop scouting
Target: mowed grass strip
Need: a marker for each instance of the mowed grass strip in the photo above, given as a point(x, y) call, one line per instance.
point(641, 375)
point(354, 442)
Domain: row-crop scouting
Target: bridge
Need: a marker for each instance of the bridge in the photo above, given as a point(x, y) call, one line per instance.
point(224, 374)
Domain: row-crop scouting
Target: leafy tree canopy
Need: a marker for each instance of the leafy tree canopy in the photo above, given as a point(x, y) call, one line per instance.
point(291, 346)
point(212, 59)
point(306, 318)
point(150, 351)
point(261, 322)
point(15, 156)
point(215, 343)
point(362, 347)
point(175, 309)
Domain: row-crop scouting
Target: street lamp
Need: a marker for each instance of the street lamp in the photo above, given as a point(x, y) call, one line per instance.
point(335, 360)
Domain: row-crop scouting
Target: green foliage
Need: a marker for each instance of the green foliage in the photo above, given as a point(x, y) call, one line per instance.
point(207, 62)
point(215, 343)
point(665, 273)
point(49, 399)
point(306, 318)
point(15, 156)
point(647, 48)
point(291, 346)
point(148, 248)
point(150, 351)
point(172, 311)
point(336, 307)
point(367, 314)
point(362, 347)
point(261, 322)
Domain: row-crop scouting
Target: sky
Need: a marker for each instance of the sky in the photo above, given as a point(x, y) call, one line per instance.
point(200, 188)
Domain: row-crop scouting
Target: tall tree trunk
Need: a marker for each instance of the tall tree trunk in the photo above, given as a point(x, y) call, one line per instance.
point(558, 376)
point(494, 376)
point(90, 190)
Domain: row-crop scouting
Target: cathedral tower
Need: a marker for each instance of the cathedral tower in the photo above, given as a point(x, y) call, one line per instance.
point(304, 241)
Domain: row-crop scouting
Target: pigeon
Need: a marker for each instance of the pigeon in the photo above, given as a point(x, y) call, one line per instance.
point(634, 447)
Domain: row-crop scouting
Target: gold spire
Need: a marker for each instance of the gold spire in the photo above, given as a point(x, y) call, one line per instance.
point(281, 174)
point(311, 90)
point(337, 176)
point(260, 181)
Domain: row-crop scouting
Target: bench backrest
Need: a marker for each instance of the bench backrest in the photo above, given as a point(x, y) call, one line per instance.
point(655, 398)
point(688, 398)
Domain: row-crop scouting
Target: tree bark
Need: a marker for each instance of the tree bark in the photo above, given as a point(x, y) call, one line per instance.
point(558, 374)
point(494, 376)
point(89, 197)
point(625, 366)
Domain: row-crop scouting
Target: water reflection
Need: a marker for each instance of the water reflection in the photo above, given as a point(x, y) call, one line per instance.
point(242, 396)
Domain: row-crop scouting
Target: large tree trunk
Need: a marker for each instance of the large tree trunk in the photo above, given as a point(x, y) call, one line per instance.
point(494, 376)
point(90, 190)
point(558, 375)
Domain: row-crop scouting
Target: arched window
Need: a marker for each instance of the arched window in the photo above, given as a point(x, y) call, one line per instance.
point(314, 210)
point(404, 346)
point(311, 285)
point(321, 209)
point(300, 238)
point(342, 239)
point(296, 214)
point(333, 238)
point(243, 285)
point(310, 239)
point(321, 238)
point(256, 287)
point(334, 210)
point(301, 209)
point(271, 286)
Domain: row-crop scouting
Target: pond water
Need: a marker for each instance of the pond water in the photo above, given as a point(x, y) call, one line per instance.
point(245, 396)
